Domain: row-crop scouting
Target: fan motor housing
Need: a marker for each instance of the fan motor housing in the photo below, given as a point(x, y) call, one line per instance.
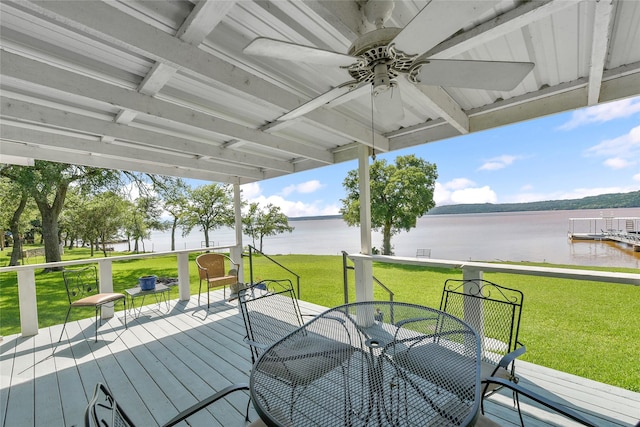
point(373, 47)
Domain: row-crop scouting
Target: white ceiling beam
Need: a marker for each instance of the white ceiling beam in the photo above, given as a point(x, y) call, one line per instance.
point(36, 72)
point(54, 155)
point(107, 23)
point(129, 153)
point(19, 109)
point(203, 19)
point(599, 45)
point(446, 107)
point(499, 26)
point(155, 80)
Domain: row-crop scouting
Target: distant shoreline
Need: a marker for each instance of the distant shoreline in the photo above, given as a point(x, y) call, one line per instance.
point(603, 201)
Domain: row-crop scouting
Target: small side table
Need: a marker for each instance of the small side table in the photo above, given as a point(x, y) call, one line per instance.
point(160, 292)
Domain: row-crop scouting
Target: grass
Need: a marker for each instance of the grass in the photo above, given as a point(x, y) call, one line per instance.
point(583, 328)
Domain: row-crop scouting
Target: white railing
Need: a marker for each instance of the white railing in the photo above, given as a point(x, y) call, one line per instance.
point(27, 280)
point(362, 263)
point(474, 270)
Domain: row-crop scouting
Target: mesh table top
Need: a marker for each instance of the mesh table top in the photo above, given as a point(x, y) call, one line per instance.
point(371, 364)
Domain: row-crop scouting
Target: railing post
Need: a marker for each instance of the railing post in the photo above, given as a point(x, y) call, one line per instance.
point(364, 279)
point(184, 281)
point(106, 284)
point(28, 303)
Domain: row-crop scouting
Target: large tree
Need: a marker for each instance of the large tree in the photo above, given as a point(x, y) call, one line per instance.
point(47, 183)
point(400, 194)
point(175, 196)
point(18, 210)
point(258, 223)
point(210, 207)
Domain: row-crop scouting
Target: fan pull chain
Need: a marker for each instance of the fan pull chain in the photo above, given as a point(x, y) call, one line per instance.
point(373, 135)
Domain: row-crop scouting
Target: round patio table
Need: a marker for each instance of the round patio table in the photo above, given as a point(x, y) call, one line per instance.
point(375, 363)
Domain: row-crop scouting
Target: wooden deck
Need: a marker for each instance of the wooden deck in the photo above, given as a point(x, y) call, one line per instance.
point(165, 362)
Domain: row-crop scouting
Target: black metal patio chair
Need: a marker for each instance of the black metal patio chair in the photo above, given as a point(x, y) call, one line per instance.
point(104, 411)
point(270, 312)
point(83, 290)
point(495, 312)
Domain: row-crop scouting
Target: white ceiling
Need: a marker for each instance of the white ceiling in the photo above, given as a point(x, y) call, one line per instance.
point(163, 86)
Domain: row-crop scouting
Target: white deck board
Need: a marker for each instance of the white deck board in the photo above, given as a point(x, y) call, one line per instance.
point(168, 360)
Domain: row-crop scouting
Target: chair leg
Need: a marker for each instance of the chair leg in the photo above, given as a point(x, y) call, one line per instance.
point(97, 311)
point(65, 323)
point(199, 291)
point(124, 304)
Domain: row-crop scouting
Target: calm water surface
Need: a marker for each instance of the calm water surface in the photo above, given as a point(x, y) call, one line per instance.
point(516, 236)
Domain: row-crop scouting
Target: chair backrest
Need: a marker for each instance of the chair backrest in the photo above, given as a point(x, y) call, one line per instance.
point(270, 311)
point(81, 282)
point(210, 265)
point(104, 411)
point(492, 310)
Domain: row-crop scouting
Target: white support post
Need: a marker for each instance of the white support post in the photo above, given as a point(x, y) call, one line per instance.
point(364, 268)
point(236, 252)
point(28, 302)
point(184, 281)
point(106, 284)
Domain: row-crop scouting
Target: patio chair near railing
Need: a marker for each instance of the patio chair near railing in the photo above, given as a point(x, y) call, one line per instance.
point(494, 311)
point(83, 290)
point(212, 271)
point(104, 411)
point(270, 311)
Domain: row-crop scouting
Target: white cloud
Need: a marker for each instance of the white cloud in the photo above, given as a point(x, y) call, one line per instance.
point(475, 195)
point(461, 191)
point(459, 183)
point(303, 188)
point(618, 163)
point(626, 146)
point(636, 177)
point(251, 190)
point(292, 208)
point(527, 187)
point(621, 152)
point(602, 113)
point(499, 162)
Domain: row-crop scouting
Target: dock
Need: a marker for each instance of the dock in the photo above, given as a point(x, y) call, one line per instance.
point(607, 228)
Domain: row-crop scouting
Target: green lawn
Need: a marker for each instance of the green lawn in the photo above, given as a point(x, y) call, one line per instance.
point(584, 328)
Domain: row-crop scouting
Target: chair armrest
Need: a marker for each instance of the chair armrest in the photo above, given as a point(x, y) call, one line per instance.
point(206, 402)
point(256, 344)
point(510, 357)
point(567, 412)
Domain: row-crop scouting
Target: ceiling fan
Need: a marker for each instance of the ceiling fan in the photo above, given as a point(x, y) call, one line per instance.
point(378, 60)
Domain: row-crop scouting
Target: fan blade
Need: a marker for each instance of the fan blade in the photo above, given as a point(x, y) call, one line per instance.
point(389, 105)
point(488, 75)
point(436, 22)
point(320, 100)
point(263, 46)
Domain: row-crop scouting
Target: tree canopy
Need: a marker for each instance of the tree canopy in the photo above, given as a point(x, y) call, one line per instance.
point(400, 194)
point(258, 223)
point(209, 207)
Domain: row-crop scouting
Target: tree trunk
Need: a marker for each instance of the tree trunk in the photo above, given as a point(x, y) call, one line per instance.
point(386, 240)
point(173, 233)
point(49, 215)
point(16, 253)
point(206, 237)
point(50, 237)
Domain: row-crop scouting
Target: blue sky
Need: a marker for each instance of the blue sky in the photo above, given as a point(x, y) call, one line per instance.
point(569, 155)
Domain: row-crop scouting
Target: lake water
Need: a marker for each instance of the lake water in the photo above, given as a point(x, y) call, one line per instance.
point(516, 236)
